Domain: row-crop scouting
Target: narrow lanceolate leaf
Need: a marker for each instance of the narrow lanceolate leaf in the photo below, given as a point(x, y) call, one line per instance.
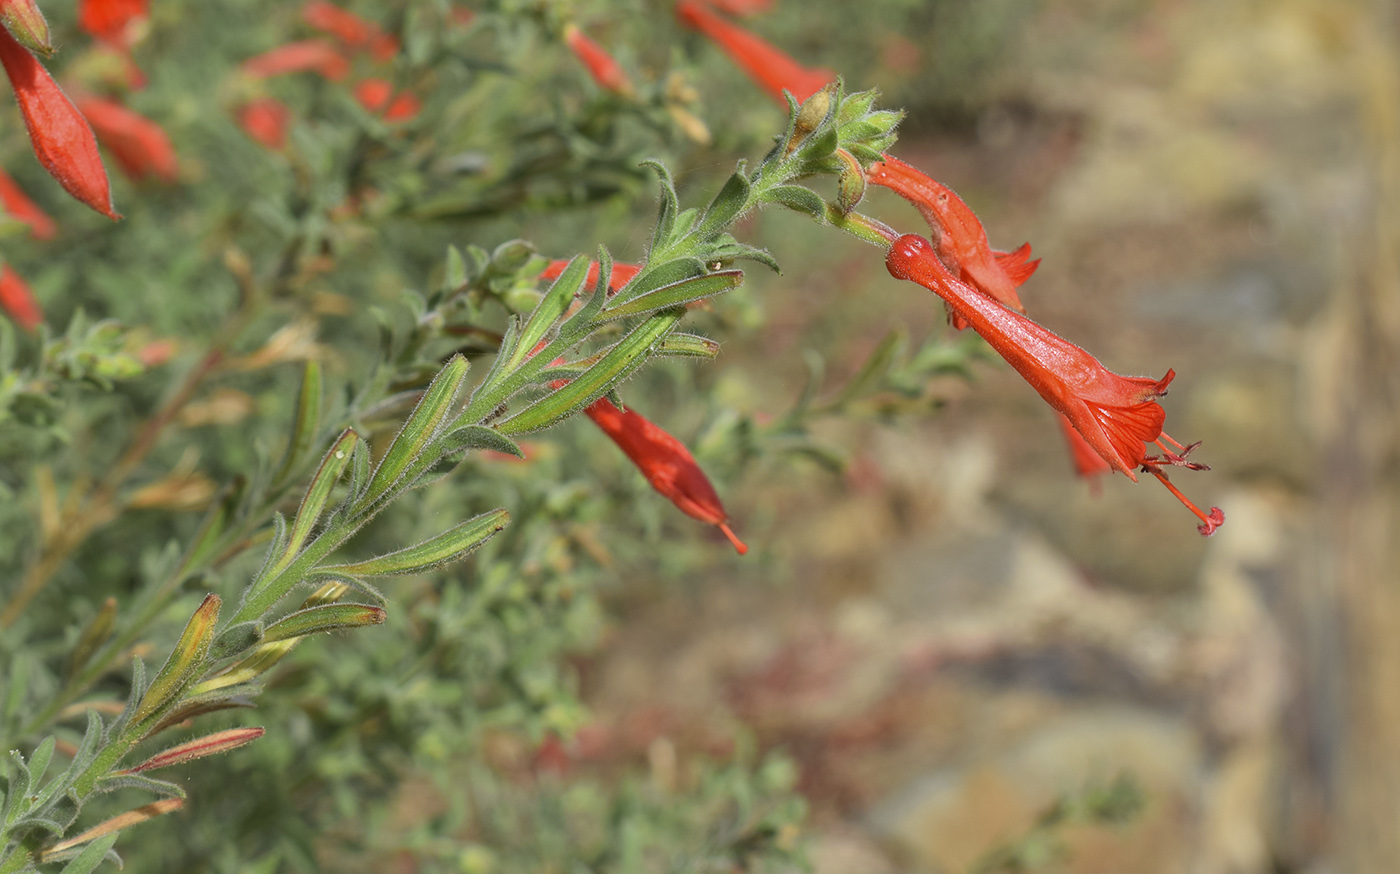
point(314, 502)
point(666, 212)
point(728, 205)
point(799, 198)
point(210, 744)
point(677, 294)
point(307, 422)
point(419, 430)
point(123, 780)
point(450, 545)
point(660, 273)
point(179, 669)
point(328, 617)
point(616, 364)
point(115, 824)
point(39, 759)
point(470, 437)
point(89, 858)
point(680, 345)
point(550, 308)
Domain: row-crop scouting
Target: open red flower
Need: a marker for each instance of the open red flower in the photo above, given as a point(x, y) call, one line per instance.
point(769, 67)
point(303, 56)
point(352, 30)
point(17, 300)
point(960, 238)
point(603, 67)
point(1117, 416)
point(666, 463)
point(62, 140)
point(139, 145)
point(19, 207)
point(266, 120)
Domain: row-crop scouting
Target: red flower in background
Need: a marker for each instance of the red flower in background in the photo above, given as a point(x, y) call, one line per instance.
point(18, 206)
point(62, 140)
point(958, 234)
point(375, 95)
point(111, 20)
point(770, 68)
point(308, 55)
point(353, 31)
point(18, 301)
point(666, 463)
point(1117, 416)
point(139, 145)
point(266, 120)
point(604, 69)
point(621, 274)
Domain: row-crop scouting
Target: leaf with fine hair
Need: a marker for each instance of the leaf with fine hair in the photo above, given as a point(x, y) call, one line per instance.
point(87, 859)
point(728, 205)
point(678, 345)
point(670, 205)
point(799, 198)
point(418, 431)
point(549, 310)
point(185, 659)
point(677, 294)
point(336, 459)
point(451, 545)
point(327, 617)
point(659, 274)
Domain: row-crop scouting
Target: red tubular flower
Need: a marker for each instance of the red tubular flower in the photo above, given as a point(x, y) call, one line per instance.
point(1087, 463)
point(374, 95)
point(352, 30)
point(958, 234)
point(62, 139)
point(308, 55)
point(621, 274)
point(110, 20)
point(770, 68)
point(17, 301)
point(26, 23)
point(266, 120)
point(604, 69)
point(18, 206)
point(666, 463)
point(1117, 416)
point(139, 145)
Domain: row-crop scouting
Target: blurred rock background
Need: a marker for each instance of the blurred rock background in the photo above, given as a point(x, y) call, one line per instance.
point(955, 636)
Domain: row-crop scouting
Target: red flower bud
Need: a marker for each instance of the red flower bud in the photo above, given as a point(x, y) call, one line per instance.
point(266, 120)
point(139, 145)
point(666, 463)
point(62, 140)
point(308, 55)
point(1118, 416)
point(352, 30)
point(26, 23)
point(604, 69)
point(17, 300)
point(770, 68)
point(18, 206)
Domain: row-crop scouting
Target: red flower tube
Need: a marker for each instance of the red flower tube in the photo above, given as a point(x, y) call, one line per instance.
point(1117, 416)
point(18, 205)
point(139, 145)
point(308, 55)
point(603, 67)
point(17, 300)
point(266, 120)
point(352, 30)
point(63, 142)
point(958, 234)
point(770, 68)
point(666, 463)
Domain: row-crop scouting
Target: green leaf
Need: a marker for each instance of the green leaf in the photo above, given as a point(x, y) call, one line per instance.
point(164, 788)
point(327, 617)
point(455, 274)
point(550, 308)
point(729, 249)
point(418, 431)
point(669, 207)
point(617, 363)
point(658, 274)
point(470, 437)
point(451, 545)
point(731, 202)
point(188, 656)
point(91, 856)
point(856, 106)
point(677, 294)
point(797, 197)
point(236, 639)
point(336, 459)
point(306, 424)
point(39, 759)
point(678, 345)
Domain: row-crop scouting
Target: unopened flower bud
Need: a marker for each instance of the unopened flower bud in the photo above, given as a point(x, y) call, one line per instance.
point(23, 19)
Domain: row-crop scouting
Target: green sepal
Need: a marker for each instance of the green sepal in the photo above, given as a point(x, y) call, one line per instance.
point(799, 198)
point(678, 345)
point(453, 544)
point(306, 424)
point(677, 294)
point(420, 428)
point(617, 363)
point(856, 106)
point(328, 617)
point(731, 202)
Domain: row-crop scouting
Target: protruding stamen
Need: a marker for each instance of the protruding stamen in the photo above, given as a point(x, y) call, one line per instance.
point(1209, 521)
point(739, 546)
